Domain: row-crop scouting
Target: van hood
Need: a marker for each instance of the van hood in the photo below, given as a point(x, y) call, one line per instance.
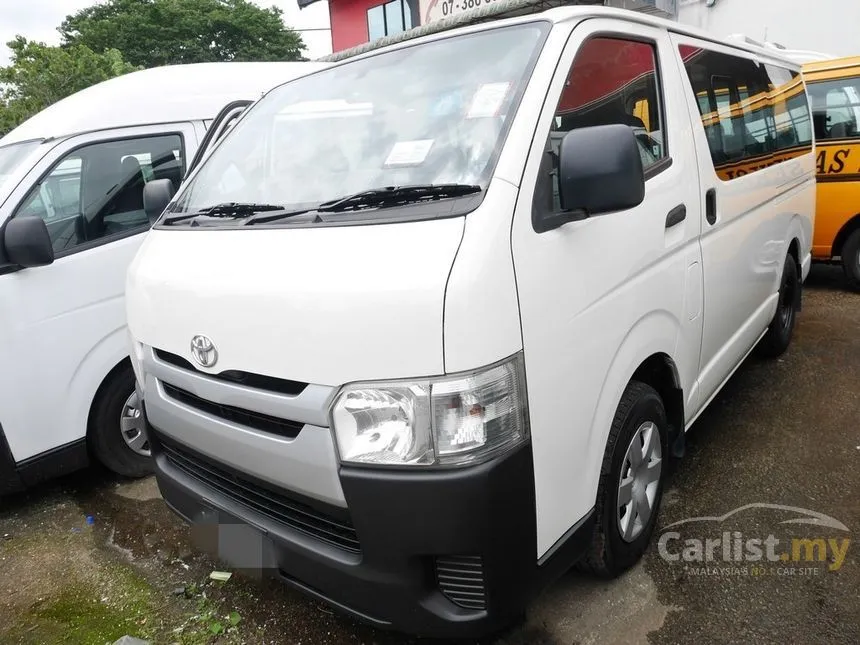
point(316, 305)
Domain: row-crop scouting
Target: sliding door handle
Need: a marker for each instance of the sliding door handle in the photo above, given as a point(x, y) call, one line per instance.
point(676, 216)
point(711, 206)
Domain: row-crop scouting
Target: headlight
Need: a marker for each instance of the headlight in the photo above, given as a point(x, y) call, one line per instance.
point(450, 420)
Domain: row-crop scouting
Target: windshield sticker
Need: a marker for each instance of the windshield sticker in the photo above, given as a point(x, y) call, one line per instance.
point(409, 153)
point(487, 101)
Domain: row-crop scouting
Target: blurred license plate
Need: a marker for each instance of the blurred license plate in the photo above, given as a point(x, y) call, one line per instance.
point(238, 545)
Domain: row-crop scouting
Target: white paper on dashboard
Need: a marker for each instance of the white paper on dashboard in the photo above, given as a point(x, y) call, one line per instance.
point(487, 100)
point(409, 153)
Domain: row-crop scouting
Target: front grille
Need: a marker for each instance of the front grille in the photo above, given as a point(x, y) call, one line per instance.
point(248, 379)
point(263, 499)
point(461, 580)
point(247, 418)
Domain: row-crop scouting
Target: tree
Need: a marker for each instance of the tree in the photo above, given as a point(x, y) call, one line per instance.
point(39, 75)
point(150, 33)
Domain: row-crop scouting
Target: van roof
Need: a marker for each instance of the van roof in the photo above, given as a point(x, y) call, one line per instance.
point(167, 94)
point(510, 12)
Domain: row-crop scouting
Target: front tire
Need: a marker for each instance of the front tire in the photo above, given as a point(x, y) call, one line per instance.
point(778, 336)
point(851, 260)
point(117, 434)
point(631, 482)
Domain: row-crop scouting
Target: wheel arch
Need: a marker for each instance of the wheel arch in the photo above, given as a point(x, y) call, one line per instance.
point(125, 363)
point(844, 233)
point(660, 372)
point(647, 354)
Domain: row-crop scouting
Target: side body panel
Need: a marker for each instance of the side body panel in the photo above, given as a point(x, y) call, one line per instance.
point(743, 251)
point(600, 296)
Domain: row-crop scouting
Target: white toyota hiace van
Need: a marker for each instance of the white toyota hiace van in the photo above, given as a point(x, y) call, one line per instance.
point(71, 220)
point(425, 328)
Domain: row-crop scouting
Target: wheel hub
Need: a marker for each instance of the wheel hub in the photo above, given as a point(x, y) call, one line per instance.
point(639, 480)
point(133, 427)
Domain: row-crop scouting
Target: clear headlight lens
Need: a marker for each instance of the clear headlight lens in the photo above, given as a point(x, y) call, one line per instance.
point(451, 420)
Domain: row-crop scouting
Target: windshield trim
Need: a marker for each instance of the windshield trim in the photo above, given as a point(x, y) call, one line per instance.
point(394, 214)
point(418, 212)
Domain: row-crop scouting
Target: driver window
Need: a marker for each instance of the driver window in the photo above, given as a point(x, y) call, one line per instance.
point(612, 80)
point(96, 191)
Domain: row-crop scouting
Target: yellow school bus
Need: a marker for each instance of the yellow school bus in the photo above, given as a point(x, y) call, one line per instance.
point(834, 91)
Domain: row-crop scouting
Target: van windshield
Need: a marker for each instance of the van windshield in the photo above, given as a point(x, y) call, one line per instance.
point(11, 157)
point(433, 113)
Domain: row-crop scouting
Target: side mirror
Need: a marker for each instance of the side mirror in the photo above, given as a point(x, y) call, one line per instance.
point(156, 196)
point(27, 242)
point(599, 171)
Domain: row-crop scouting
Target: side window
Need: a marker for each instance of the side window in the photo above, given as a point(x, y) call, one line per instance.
point(836, 108)
point(754, 115)
point(613, 80)
point(96, 191)
point(791, 119)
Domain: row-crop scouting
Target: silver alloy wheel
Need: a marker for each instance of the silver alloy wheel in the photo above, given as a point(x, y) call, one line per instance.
point(133, 427)
point(640, 478)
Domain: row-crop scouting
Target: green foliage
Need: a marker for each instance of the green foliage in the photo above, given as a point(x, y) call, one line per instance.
point(150, 33)
point(39, 75)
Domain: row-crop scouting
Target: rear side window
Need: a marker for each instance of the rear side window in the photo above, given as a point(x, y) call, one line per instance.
point(754, 115)
point(836, 108)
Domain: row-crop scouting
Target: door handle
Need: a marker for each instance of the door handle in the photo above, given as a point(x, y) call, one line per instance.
point(676, 216)
point(711, 206)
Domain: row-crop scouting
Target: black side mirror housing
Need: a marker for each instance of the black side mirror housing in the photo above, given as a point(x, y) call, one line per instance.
point(27, 242)
point(156, 196)
point(599, 171)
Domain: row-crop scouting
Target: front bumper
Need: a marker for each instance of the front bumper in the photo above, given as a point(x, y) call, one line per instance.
point(448, 553)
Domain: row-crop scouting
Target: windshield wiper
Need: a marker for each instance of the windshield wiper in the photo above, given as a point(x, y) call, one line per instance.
point(396, 195)
point(227, 209)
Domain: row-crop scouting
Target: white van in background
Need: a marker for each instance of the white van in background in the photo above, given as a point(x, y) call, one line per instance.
point(71, 219)
point(422, 354)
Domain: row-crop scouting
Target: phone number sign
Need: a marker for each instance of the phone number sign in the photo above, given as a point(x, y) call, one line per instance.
point(432, 10)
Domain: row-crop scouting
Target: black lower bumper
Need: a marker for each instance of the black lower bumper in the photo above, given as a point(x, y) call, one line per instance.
point(445, 554)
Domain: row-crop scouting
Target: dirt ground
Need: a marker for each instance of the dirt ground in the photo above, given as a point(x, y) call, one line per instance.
point(781, 433)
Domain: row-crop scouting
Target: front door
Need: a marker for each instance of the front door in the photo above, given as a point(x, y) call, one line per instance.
point(601, 295)
point(62, 326)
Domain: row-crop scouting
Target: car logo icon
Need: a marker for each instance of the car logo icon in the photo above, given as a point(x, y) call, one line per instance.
point(203, 350)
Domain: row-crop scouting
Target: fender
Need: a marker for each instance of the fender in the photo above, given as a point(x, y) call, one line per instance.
point(655, 333)
point(92, 371)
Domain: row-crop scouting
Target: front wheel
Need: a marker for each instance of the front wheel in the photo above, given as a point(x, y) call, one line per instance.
point(117, 429)
point(631, 482)
point(851, 260)
point(778, 336)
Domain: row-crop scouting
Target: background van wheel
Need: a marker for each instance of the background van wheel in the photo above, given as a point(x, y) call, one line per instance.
point(851, 260)
point(117, 434)
point(778, 336)
point(631, 482)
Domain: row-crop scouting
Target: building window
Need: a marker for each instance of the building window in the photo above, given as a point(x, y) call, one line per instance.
point(388, 19)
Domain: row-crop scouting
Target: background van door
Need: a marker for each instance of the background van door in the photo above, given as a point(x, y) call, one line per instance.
point(62, 326)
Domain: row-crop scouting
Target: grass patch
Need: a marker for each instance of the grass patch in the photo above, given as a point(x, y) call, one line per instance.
point(78, 615)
